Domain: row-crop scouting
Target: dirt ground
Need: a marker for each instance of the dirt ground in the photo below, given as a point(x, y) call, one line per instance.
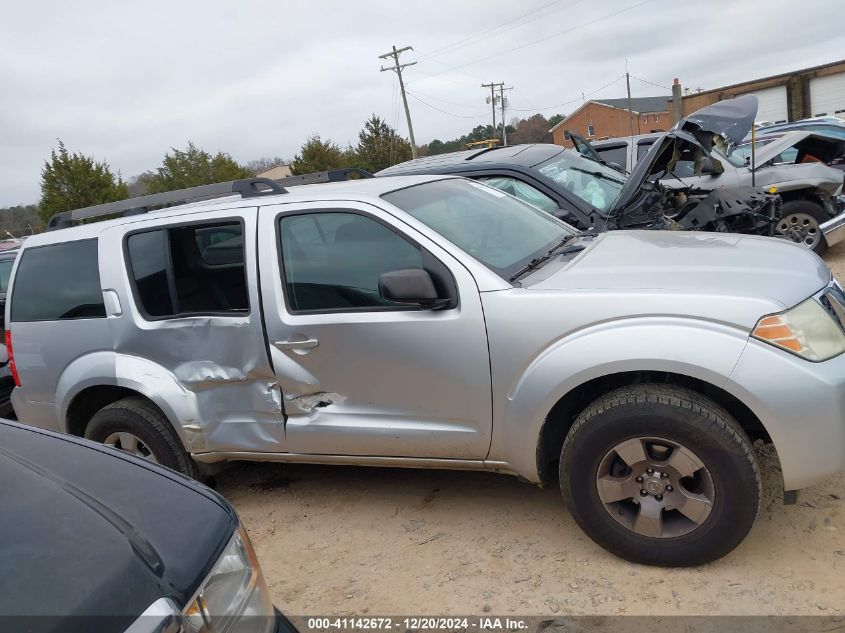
point(344, 540)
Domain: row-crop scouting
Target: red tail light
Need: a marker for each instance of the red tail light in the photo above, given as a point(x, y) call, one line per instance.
point(11, 354)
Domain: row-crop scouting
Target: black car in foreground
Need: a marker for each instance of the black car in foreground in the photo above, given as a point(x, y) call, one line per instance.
point(94, 539)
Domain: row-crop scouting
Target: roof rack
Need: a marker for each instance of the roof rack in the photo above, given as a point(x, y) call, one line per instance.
point(332, 175)
point(247, 188)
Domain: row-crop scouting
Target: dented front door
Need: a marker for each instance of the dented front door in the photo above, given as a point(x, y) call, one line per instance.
point(360, 377)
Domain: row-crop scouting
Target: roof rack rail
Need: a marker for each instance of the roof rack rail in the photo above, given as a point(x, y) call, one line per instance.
point(247, 188)
point(332, 175)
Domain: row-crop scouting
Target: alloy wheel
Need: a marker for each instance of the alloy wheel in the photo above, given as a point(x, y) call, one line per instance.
point(130, 443)
point(655, 487)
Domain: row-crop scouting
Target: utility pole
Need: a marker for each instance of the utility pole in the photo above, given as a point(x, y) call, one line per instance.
point(630, 111)
point(397, 68)
point(492, 101)
point(503, 104)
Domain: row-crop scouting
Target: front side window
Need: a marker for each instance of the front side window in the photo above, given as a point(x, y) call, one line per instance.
point(501, 232)
point(521, 190)
point(57, 282)
point(596, 184)
point(194, 269)
point(333, 260)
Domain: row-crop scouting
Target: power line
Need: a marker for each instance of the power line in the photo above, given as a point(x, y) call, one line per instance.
point(651, 83)
point(582, 97)
point(474, 39)
point(548, 37)
point(458, 116)
point(427, 96)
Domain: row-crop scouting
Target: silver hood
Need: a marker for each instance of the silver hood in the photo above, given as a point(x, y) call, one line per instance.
point(703, 264)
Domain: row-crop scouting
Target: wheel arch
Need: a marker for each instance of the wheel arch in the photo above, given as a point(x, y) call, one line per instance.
point(562, 415)
point(96, 380)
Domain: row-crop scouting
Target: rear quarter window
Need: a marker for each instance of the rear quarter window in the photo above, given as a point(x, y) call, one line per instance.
point(57, 282)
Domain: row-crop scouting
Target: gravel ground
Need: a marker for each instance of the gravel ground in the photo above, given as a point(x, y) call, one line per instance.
point(347, 540)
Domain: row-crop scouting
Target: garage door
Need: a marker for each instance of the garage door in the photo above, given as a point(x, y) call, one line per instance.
point(772, 104)
point(827, 95)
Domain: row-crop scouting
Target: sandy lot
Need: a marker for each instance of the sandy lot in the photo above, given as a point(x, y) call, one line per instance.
point(346, 540)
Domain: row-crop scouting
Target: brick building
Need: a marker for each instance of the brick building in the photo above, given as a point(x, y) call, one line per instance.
point(606, 118)
point(800, 94)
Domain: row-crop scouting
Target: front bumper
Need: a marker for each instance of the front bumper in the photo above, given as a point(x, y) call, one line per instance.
point(801, 404)
point(834, 229)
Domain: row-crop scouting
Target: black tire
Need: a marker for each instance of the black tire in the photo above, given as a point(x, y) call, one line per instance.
point(144, 421)
point(692, 421)
point(804, 208)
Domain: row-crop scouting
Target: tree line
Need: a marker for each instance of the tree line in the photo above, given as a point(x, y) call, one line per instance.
point(71, 180)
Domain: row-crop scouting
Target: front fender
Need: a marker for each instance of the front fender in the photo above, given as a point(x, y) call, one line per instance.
point(145, 377)
point(699, 349)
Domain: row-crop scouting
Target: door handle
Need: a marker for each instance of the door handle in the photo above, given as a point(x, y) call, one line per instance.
point(304, 344)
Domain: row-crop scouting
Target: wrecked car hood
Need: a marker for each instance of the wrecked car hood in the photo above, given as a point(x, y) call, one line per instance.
point(701, 264)
point(731, 119)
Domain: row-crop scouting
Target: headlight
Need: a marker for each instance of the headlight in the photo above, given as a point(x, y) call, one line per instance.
point(806, 330)
point(233, 598)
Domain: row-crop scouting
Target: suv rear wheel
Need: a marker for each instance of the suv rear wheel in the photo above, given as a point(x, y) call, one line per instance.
point(137, 427)
point(660, 475)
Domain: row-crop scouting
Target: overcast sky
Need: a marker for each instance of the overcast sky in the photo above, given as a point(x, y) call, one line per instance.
point(126, 81)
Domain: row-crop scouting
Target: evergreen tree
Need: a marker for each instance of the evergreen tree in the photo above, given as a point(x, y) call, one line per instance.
point(72, 181)
point(192, 167)
point(379, 146)
point(318, 155)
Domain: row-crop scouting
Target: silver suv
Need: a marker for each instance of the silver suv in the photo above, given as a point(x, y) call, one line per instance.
point(429, 321)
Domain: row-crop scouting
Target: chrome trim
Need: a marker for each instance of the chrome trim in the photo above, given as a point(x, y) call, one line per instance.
point(162, 616)
point(355, 460)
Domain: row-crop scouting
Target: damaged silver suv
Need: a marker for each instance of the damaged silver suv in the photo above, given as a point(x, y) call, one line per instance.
point(430, 321)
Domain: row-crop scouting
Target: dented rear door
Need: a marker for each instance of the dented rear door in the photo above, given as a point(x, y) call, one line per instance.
point(184, 316)
point(359, 377)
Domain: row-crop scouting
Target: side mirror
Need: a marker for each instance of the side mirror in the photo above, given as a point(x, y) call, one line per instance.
point(412, 286)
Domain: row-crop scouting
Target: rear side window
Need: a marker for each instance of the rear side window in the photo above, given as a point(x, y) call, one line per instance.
point(57, 282)
point(195, 269)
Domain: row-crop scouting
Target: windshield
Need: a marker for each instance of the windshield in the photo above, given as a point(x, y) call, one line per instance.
point(596, 184)
point(495, 228)
point(742, 154)
point(5, 273)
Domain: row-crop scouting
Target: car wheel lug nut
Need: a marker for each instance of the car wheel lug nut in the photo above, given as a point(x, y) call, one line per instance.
point(659, 497)
point(664, 475)
point(669, 488)
point(640, 479)
point(650, 471)
point(643, 493)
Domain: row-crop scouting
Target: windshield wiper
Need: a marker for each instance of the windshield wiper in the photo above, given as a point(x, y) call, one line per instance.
point(540, 259)
point(599, 175)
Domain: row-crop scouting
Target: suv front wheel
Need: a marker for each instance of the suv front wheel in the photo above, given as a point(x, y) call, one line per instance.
point(660, 475)
point(137, 427)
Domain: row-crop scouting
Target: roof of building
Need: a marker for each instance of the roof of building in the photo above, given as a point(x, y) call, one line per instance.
point(639, 105)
